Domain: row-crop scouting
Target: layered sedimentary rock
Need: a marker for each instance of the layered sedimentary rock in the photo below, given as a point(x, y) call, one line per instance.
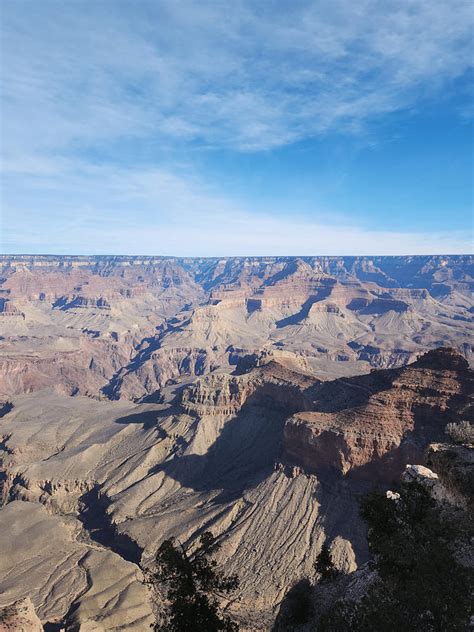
point(371, 425)
point(271, 385)
point(80, 324)
point(43, 557)
point(144, 398)
point(123, 327)
point(246, 455)
point(450, 485)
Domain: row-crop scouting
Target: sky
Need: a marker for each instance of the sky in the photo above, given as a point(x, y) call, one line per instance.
point(217, 128)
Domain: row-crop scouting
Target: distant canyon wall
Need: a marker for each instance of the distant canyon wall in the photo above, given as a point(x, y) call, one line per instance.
point(126, 327)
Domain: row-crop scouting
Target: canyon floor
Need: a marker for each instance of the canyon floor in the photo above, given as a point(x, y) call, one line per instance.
point(259, 398)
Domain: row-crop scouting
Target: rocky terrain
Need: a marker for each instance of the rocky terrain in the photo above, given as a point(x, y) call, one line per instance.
point(372, 425)
point(258, 398)
point(123, 327)
point(20, 616)
point(240, 455)
point(450, 486)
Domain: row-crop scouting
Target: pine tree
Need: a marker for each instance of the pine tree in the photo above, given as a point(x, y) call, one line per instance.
point(324, 565)
point(193, 585)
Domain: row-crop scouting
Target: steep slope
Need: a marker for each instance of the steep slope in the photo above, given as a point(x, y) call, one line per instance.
point(270, 459)
point(372, 425)
point(75, 327)
point(339, 326)
point(62, 575)
point(125, 326)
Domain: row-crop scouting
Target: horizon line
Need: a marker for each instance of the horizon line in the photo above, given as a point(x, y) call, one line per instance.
point(269, 256)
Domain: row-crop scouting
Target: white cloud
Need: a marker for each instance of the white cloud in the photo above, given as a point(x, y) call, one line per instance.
point(96, 210)
point(81, 77)
point(246, 75)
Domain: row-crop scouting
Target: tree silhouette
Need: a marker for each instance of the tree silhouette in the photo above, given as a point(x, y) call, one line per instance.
point(193, 586)
point(324, 565)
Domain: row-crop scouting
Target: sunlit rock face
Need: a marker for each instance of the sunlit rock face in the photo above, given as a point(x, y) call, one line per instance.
point(124, 327)
point(272, 459)
point(20, 616)
point(142, 399)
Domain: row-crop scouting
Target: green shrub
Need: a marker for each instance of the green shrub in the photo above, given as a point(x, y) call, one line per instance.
point(421, 587)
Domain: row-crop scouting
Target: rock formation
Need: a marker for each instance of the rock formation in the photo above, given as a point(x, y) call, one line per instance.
point(144, 398)
point(372, 425)
point(270, 459)
point(125, 326)
point(20, 616)
point(450, 485)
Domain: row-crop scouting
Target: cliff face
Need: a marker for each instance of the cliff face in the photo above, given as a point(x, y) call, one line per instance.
point(363, 427)
point(123, 327)
point(271, 385)
point(450, 484)
point(371, 426)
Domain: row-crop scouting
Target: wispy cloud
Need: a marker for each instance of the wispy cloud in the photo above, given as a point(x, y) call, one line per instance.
point(96, 210)
point(80, 77)
point(246, 75)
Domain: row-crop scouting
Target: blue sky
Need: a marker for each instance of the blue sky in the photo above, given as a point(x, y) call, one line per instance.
point(218, 128)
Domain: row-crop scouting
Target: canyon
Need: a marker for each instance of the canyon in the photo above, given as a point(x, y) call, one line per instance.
point(118, 327)
point(146, 397)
